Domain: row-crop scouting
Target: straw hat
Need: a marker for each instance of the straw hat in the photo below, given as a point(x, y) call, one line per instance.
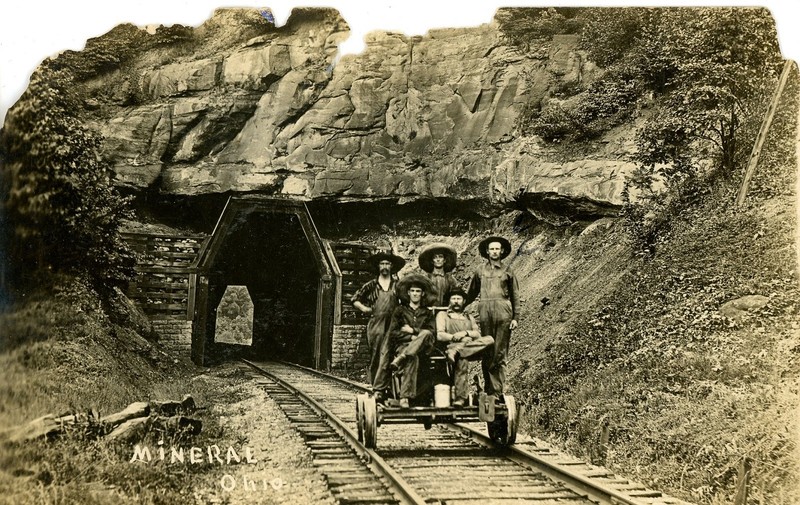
point(431, 250)
point(415, 280)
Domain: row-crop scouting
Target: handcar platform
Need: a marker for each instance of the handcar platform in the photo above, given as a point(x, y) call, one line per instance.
point(501, 418)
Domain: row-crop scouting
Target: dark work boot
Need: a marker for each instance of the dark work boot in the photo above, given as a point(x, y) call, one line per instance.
point(397, 363)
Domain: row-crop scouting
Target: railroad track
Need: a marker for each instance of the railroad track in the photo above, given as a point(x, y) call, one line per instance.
point(452, 464)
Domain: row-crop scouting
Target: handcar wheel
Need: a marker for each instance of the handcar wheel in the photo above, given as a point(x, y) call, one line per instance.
point(498, 430)
point(370, 422)
point(360, 416)
point(512, 420)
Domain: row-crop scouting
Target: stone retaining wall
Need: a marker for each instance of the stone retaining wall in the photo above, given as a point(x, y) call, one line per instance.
point(174, 334)
point(350, 350)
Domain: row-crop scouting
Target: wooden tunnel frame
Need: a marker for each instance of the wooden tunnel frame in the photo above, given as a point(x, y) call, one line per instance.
point(328, 289)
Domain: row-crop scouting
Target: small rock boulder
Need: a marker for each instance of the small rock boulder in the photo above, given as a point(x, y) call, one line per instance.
point(737, 308)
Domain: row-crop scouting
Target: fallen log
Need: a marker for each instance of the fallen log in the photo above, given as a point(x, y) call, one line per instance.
point(188, 404)
point(129, 429)
point(132, 411)
point(140, 426)
point(179, 423)
point(190, 425)
point(133, 420)
point(45, 426)
point(73, 419)
point(40, 427)
point(172, 407)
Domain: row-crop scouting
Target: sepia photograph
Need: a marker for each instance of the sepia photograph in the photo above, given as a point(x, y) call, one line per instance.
point(399, 253)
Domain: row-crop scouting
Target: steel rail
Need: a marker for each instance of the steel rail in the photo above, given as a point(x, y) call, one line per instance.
point(397, 484)
point(577, 483)
point(580, 484)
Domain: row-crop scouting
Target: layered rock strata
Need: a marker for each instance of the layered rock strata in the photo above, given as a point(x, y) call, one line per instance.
point(410, 117)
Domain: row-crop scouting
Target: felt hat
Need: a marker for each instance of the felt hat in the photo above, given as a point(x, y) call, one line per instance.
point(387, 255)
point(431, 250)
point(456, 291)
point(483, 247)
point(418, 281)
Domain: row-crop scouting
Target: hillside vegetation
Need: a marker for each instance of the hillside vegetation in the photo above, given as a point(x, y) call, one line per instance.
point(686, 389)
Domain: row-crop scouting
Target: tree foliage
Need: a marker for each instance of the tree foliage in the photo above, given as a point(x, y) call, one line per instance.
point(102, 54)
point(607, 33)
point(61, 210)
point(601, 105)
point(722, 66)
point(522, 27)
point(709, 72)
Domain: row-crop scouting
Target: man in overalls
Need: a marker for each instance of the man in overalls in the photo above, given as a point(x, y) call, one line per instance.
point(413, 334)
point(438, 260)
point(459, 335)
point(377, 297)
point(498, 309)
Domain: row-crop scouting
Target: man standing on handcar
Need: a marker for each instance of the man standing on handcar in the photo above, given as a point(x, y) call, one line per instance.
point(498, 308)
point(438, 260)
point(377, 297)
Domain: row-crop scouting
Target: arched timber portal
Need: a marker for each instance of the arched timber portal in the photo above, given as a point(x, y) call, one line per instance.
point(272, 247)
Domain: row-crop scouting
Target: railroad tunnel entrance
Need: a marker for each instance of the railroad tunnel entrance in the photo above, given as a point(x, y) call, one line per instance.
point(264, 261)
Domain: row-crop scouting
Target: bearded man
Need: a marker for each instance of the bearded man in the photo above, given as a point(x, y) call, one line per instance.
point(461, 337)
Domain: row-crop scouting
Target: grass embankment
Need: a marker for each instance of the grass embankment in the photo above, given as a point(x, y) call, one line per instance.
point(62, 353)
point(688, 393)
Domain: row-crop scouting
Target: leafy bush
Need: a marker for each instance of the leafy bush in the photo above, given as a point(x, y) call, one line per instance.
point(102, 54)
point(168, 35)
point(709, 70)
point(522, 26)
point(61, 210)
point(555, 123)
point(601, 106)
point(609, 33)
point(670, 179)
point(117, 48)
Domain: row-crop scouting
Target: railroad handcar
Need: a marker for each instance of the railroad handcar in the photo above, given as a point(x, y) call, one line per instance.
point(501, 416)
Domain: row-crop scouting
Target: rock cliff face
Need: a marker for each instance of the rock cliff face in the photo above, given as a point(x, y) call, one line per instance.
point(410, 117)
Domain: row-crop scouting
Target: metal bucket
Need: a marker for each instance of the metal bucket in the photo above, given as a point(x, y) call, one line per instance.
point(441, 395)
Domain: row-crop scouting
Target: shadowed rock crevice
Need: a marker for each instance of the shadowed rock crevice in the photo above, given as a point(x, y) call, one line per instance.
point(559, 210)
point(358, 219)
point(221, 126)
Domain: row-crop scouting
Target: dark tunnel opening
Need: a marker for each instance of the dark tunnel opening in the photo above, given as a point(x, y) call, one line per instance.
point(269, 254)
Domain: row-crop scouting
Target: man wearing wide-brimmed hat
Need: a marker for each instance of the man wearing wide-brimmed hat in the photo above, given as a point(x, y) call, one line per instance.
point(412, 332)
point(461, 338)
point(498, 309)
point(438, 260)
point(378, 298)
